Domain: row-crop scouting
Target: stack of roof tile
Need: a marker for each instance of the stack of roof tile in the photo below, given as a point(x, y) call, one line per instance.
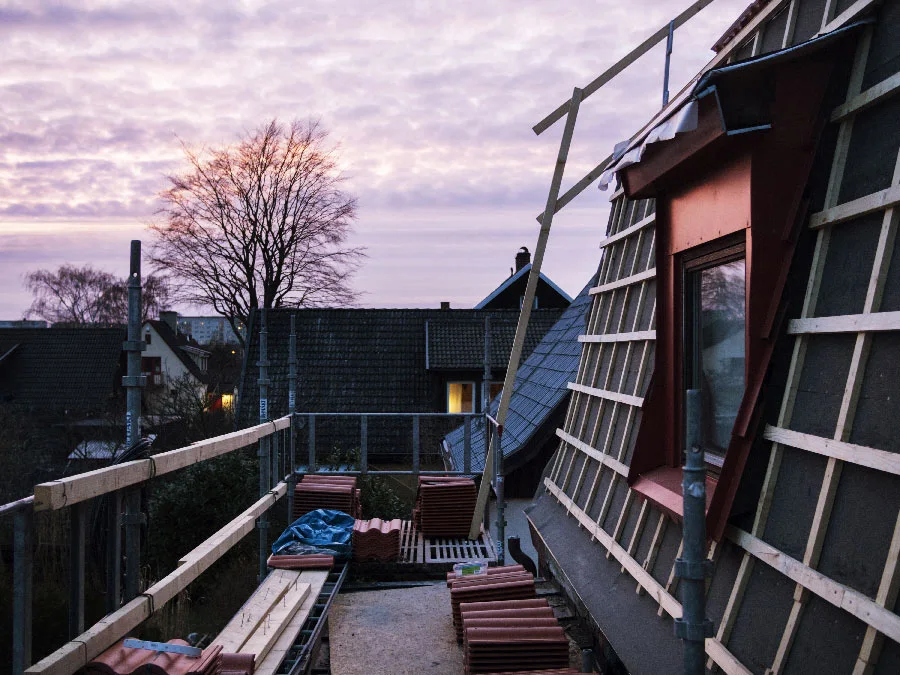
point(509, 585)
point(122, 660)
point(311, 561)
point(490, 571)
point(444, 506)
point(507, 636)
point(326, 492)
point(377, 540)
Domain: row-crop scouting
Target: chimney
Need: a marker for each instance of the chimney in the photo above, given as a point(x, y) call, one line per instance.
point(170, 318)
point(523, 257)
point(445, 304)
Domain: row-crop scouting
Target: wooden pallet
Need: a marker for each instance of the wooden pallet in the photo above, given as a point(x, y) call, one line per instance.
point(412, 548)
point(443, 550)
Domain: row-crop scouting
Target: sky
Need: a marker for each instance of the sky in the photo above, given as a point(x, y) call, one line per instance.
point(430, 104)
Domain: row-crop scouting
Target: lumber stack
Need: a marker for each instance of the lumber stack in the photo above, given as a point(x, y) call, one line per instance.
point(444, 506)
point(376, 540)
point(507, 585)
point(326, 492)
point(257, 626)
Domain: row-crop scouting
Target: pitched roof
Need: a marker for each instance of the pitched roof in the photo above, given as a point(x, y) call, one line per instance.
point(458, 343)
point(523, 272)
point(60, 368)
point(540, 387)
point(352, 360)
point(175, 342)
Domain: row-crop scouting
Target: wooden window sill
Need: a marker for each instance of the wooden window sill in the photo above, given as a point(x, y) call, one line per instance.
point(662, 486)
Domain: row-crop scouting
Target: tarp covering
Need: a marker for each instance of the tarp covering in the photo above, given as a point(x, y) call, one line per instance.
point(322, 531)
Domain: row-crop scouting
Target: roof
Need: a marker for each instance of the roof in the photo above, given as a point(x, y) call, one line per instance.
point(458, 343)
point(177, 342)
point(540, 387)
point(746, 17)
point(351, 360)
point(60, 368)
point(523, 272)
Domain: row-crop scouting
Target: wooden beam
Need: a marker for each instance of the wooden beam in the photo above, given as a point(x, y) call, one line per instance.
point(874, 94)
point(67, 491)
point(579, 187)
point(636, 336)
point(594, 454)
point(636, 401)
point(839, 595)
point(848, 323)
point(627, 281)
point(877, 201)
point(881, 460)
point(248, 618)
point(275, 620)
point(621, 64)
point(527, 303)
point(850, 14)
point(628, 231)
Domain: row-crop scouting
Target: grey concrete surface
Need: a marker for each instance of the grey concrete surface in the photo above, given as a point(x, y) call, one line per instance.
point(516, 526)
point(394, 632)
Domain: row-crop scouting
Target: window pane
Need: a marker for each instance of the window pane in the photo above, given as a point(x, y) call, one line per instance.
point(719, 331)
point(460, 397)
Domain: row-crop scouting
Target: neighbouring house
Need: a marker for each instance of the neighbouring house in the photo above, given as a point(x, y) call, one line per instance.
point(509, 294)
point(171, 361)
point(751, 253)
point(537, 406)
point(59, 387)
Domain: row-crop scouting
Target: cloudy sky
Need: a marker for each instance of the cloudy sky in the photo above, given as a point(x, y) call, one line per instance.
point(432, 104)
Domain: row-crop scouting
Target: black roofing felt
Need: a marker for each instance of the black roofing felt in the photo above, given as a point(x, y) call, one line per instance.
point(60, 368)
point(458, 342)
point(539, 388)
point(351, 360)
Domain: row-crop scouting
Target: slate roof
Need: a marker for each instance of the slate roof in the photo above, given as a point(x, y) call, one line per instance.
point(458, 343)
point(540, 387)
point(76, 369)
point(352, 360)
point(552, 294)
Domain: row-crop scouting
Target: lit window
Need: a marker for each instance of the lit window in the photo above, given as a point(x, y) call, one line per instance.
point(460, 397)
point(714, 333)
point(228, 402)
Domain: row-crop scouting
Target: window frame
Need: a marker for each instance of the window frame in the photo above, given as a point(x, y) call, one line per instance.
point(447, 396)
point(691, 262)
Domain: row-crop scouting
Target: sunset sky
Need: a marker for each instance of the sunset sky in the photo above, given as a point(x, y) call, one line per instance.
point(432, 105)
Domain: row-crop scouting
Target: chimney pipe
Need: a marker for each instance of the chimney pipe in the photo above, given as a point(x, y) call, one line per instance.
point(170, 318)
point(445, 304)
point(523, 257)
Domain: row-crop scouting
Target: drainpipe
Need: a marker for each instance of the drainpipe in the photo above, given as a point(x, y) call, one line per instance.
point(669, 41)
point(693, 567)
point(133, 382)
point(263, 522)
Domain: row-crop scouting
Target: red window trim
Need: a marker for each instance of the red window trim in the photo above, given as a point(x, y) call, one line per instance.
point(708, 188)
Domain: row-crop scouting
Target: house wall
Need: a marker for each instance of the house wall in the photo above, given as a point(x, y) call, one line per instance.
point(806, 576)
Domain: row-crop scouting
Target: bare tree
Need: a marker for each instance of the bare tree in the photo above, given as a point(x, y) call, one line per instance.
point(259, 224)
point(84, 295)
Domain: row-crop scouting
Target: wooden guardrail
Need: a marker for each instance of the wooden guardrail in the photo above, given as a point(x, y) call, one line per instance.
point(111, 628)
point(64, 492)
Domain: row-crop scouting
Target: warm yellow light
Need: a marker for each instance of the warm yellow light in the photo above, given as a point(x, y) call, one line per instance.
point(228, 402)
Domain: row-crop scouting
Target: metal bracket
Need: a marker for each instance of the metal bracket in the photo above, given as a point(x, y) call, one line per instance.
point(694, 631)
point(163, 647)
point(693, 570)
point(134, 380)
point(134, 346)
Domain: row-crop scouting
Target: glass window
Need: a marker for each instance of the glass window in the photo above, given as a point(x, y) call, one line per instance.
point(715, 330)
point(460, 397)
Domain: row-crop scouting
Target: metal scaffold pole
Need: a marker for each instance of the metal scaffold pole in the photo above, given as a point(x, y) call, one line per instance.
point(263, 522)
point(693, 567)
point(133, 383)
point(292, 408)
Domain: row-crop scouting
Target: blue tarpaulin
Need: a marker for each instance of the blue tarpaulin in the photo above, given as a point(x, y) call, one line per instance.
point(321, 531)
